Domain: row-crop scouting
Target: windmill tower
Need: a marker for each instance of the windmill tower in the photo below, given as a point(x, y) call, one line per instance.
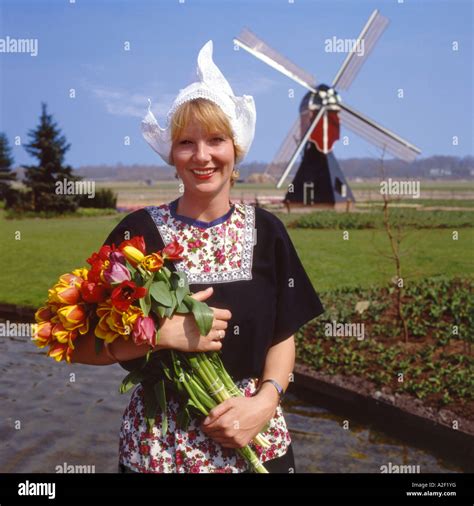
point(319, 181)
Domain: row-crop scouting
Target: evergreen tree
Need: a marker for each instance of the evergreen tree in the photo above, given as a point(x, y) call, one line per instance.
point(6, 161)
point(49, 147)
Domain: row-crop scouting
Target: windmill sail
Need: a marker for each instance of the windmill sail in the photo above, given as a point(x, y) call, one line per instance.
point(251, 43)
point(369, 36)
point(377, 134)
point(287, 148)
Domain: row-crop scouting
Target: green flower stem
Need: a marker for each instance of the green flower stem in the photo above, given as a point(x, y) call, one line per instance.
point(205, 399)
point(218, 389)
point(250, 457)
point(191, 394)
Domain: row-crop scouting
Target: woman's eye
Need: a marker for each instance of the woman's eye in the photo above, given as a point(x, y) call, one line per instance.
point(220, 139)
point(184, 141)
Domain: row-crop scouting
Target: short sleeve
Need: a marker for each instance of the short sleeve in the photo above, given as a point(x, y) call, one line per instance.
point(297, 301)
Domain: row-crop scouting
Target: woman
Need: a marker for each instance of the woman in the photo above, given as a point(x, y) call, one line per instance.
point(240, 260)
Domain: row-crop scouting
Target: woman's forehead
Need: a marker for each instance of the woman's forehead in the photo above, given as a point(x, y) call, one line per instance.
point(194, 127)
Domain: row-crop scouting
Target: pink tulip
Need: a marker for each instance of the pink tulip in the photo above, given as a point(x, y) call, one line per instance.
point(144, 331)
point(116, 273)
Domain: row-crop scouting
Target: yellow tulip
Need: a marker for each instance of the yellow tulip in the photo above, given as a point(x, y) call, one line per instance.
point(133, 255)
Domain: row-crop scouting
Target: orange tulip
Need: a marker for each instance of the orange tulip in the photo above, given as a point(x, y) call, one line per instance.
point(42, 335)
point(44, 314)
point(153, 262)
point(114, 323)
point(73, 316)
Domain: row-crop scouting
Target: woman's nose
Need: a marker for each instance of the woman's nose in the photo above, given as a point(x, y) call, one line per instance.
point(202, 152)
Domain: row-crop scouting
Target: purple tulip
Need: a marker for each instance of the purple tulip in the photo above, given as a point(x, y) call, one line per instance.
point(116, 273)
point(144, 331)
point(117, 256)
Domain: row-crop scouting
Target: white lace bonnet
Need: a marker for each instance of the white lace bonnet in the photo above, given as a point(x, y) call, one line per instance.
point(212, 85)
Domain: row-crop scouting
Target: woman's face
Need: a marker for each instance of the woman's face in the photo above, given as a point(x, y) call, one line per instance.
point(203, 161)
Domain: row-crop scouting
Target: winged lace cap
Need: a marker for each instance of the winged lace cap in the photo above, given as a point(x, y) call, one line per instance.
point(212, 85)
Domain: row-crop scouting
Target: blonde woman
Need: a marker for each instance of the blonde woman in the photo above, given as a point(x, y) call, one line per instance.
point(239, 260)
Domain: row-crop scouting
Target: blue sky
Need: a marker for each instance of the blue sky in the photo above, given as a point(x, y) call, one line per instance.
point(81, 46)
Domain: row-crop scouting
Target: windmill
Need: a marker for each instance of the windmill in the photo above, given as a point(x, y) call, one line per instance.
point(319, 180)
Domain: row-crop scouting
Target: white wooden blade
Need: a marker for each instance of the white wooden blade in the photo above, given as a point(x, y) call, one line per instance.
point(370, 34)
point(377, 134)
point(255, 46)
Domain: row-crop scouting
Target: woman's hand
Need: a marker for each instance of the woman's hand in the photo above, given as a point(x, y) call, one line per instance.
point(236, 421)
point(181, 332)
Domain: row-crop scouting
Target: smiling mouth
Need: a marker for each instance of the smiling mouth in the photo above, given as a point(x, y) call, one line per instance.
point(203, 172)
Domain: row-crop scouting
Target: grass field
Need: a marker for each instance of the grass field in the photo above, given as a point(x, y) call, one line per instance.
point(140, 193)
point(47, 248)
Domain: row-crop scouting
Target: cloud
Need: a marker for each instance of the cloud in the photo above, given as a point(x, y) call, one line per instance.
point(120, 102)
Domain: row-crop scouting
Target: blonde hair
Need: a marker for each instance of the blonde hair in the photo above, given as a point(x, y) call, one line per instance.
point(211, 116)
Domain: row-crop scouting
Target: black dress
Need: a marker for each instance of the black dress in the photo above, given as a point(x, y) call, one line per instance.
point(249, 260)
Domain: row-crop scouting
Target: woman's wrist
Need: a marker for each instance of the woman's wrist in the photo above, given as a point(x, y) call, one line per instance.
point(268, 394)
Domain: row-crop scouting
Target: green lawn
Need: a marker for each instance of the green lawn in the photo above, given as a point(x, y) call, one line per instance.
point(48, 248)
point(332, 262)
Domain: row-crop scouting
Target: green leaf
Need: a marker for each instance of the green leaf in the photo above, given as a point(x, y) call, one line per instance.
point(202, 314)
point(99, 344)
point(137, 278)
point(179, 282)
point(161, 293)
point(150, 404)
point(183, 418)
point(144, 306)
point(132, 378)
point(145, 302)
point(130, 267)
point(182, 308)
point(161, 398)
point(169, 312)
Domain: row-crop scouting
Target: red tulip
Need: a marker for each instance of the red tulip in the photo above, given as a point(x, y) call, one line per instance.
point(173, 251)
point(125, 293)
point(93, 293)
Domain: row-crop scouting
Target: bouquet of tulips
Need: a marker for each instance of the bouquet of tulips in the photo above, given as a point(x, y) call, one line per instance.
point(121, 296)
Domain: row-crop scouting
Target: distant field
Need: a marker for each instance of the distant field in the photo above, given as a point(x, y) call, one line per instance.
point(48, 248)
point(133, 194)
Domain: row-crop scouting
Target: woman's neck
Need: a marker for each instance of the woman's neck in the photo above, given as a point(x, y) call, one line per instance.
point(203, 209)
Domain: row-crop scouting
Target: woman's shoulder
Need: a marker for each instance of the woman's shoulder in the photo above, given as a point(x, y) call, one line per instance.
point(269, 220)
